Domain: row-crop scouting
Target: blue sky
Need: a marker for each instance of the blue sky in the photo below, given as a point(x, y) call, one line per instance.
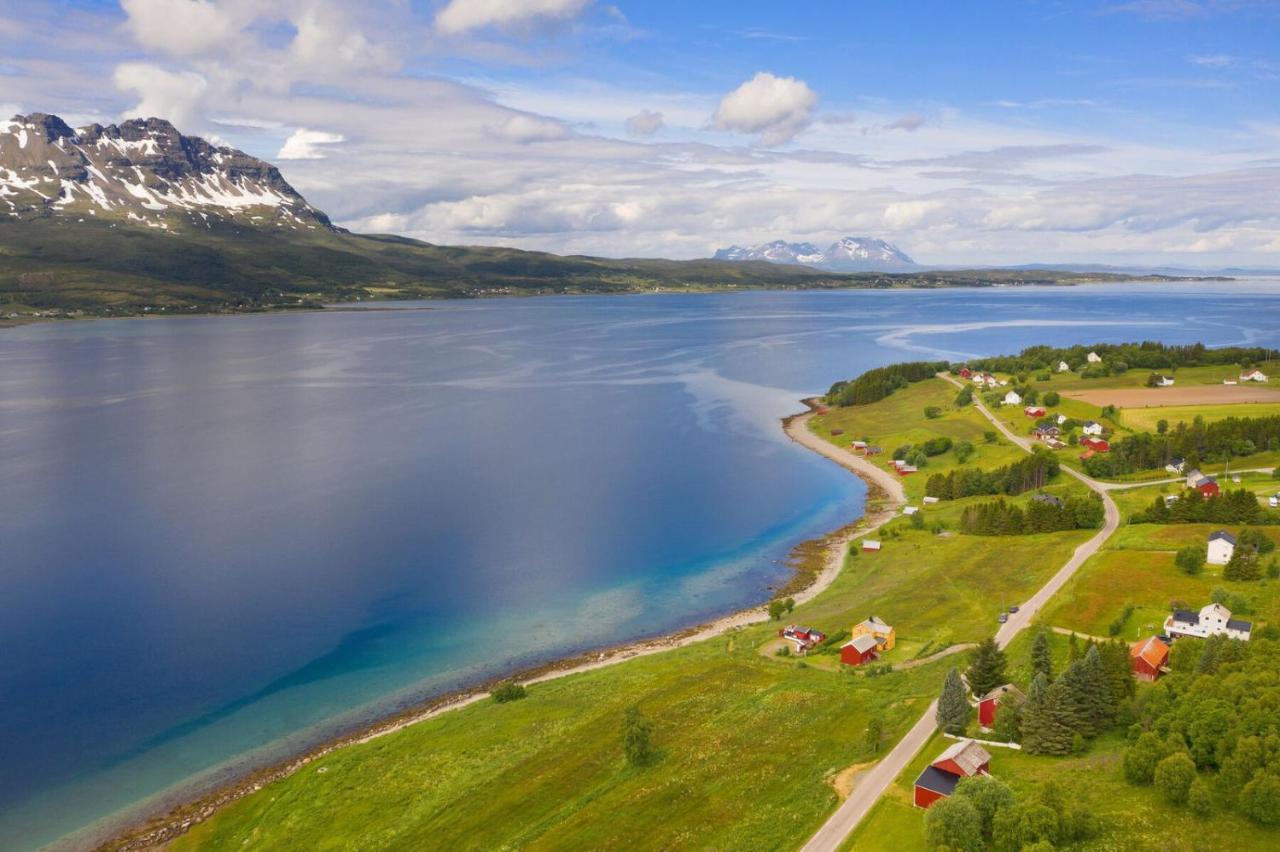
point(1109, 131)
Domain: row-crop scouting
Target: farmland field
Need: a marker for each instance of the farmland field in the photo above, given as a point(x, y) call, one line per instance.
point(1144, 419)
point(1217, 395)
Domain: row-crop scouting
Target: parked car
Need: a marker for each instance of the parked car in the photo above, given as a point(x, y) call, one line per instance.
point(1013, 608)
point(1003, 618)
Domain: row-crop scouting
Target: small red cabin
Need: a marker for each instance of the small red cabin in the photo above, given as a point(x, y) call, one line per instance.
point(1098, 445)
point(1033, 411)
point(989, 704)
point(964, 759)
point(1148, 658)
point(1208, 487)
point(859, 650)
point(965, 373)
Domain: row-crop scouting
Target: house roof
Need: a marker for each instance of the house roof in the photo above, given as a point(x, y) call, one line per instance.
point(875, 622)
point(1237, 624)
point(1186, 616)
point(1223, 535)
point(1004, 689)
point(1048, 498)
point(1091, 422)
point(966, 754)
point(1207, 480)
point(863, 643)
point(937, 781)
point(1152, 651)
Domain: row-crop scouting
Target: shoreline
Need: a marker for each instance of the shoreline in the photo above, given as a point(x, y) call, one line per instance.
point(884, 497)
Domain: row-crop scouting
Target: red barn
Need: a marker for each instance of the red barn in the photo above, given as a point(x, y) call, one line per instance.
point(989, 704)
point(964, 759)
point(1208, 487)
point(965, 373)
point(859, 650)
point(1148, 658)
point(1033, 411)
point(1098, 445)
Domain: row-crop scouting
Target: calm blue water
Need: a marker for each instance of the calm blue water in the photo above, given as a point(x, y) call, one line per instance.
point(219, 535)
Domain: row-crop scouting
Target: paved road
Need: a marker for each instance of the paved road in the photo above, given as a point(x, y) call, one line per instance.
point(876, 780)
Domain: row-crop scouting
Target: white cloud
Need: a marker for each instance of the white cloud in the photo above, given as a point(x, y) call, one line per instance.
point(180, 27)
point(911, 122)
point(1213, 60)
point(909, 214)
point(305, 144)
point(775, 107)
point(461, 16)
point(173, 95)
point(644, 123)
point(530, 128)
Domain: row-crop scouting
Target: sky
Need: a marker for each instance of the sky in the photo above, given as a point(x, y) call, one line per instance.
point(1107, 131)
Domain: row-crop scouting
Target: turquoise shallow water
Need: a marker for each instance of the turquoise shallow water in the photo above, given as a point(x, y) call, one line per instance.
point(225, 538)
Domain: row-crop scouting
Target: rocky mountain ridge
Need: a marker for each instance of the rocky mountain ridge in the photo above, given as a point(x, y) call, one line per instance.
point(143, 172)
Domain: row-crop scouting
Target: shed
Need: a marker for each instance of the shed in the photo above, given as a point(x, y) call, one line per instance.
point(964, 759)
point(870, 545)
point(859, 650)
point(1148, 658)
point(989, 704)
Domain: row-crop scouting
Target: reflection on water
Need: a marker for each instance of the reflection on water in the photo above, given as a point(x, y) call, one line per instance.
point(221, 533)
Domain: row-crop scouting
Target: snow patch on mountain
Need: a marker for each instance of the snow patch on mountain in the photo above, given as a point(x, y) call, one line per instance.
point(849, 254)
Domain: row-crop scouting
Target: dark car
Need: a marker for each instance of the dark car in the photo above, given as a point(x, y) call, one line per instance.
point(1003, 618)
point(1013, 608)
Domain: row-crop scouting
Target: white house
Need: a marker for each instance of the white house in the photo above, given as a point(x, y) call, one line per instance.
point(1012, 398)
point(1091, 427)
point(1164, 382)
point(929, 501)
point(909, 510)
point(1062, 419)
point(1221, 545)
point(870, 545)
point(1193, 477)
point(1093, 358)
point(1254, 375)
point(1175, 465)
point(1274, 501)
point(1064, 367)
point(1212, 620)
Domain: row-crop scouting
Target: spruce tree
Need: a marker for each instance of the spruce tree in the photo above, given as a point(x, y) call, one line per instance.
point(1099, 707)
point(1073, 649)
point(1041, 659)
point(953, 706)
point(1063, 719)
point(1035, 715)
point(986, 671)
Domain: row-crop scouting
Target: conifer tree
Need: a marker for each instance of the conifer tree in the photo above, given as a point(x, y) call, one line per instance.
point(1073, 649)
point(986, 671)
point(1072, 699)
point(1041, 659)
point(953, 706)
point(1099, 709)
point(1036, 722)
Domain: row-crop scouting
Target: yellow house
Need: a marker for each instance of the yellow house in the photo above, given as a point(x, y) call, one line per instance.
point(874, 627)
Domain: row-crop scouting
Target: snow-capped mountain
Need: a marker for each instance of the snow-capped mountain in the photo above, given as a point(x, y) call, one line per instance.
point(141, 171)
point(850, 254)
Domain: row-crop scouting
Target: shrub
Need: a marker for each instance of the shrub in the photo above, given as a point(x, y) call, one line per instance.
point(637, 738)
point(1174, 775)
point(508, 691)
point(1190, 560)
point(932, 412)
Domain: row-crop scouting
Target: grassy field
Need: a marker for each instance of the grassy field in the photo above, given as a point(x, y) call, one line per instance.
point(748, 749)
point(899, 419)
point(1145, 419)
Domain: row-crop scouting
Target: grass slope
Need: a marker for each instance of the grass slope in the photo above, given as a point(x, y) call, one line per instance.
point(97, 267)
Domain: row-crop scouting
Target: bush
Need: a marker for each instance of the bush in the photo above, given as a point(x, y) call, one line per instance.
point(932, 412)
point(1199, 798)
point(1174, 775)
point(963, 451)
point(989, 437)
point(953, 824)
point(1190, 560)
point(508, 691)
point(1051, 399)
point(637, 738)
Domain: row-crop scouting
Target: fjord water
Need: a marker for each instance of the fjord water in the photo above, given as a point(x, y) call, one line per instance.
point(224, 538)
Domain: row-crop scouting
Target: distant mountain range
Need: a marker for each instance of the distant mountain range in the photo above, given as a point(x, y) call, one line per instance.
point(850, 254)
point(136, 218)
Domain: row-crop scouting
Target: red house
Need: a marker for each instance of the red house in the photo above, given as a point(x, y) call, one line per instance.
point(1098, 445)
point(989, 704)
point(1033, 411)
point(1148, 657)
point(859, 650)
point(1208, 487)
point(964, 759)
point(965, 373)
point(803, 637)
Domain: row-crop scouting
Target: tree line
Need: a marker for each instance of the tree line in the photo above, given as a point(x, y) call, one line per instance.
point(1238, 506)
point(874, 385)
point(1148, 355)
point(1195, 443)
point(998, 517)
point(1033, 472)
